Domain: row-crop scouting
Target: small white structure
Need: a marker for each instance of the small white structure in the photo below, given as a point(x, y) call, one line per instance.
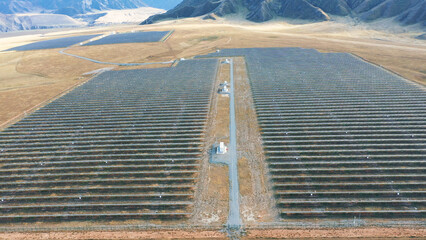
point(224, 90)
point(227, 61)
point(221, 149)
point(182, 59)
point(224, 84)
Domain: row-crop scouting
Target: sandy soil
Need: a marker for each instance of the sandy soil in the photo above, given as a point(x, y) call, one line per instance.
point(350, 233)
point(106, 235)
point(357, 233)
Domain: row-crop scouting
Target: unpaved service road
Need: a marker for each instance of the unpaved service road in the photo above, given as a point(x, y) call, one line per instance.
point(104, 235)
point(349, 233)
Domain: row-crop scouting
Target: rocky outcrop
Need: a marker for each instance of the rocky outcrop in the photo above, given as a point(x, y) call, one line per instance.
point(422, 37)
point(209, 17)
point(7, 23)
point(261, 11)
point(302, 9)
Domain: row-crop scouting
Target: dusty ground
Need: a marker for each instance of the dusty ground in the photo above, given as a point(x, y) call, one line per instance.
point(122, 235)
point(359, 233)
point(350, 233)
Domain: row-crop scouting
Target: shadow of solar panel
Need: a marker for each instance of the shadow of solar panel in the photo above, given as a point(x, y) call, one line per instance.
point(137, 37)
point(343, 138)
point(125, 145)
point(54, 43)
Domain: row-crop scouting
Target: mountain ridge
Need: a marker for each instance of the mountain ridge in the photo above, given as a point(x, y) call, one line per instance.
point(404, 12)
point(74, 7)
point(28, 14)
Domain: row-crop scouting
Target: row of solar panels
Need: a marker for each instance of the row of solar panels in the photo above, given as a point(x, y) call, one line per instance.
point(133, 37)
point(126, 145)
point(342, 137)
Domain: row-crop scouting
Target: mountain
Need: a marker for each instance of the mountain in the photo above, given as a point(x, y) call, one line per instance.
point(37, 14)
point(405, 12)
point(162, 4)
point(118, 16)
point(14, 22)
point(7, 23)
point(73, 7)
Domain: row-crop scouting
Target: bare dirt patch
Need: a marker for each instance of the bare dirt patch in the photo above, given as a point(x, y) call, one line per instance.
point(109, 235)
point(349, 233)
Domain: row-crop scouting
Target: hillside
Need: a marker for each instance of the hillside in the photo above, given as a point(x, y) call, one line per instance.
point(404, 12)
point(9, 22)
point(24, 15)
point(73, 7)
point(119, 16)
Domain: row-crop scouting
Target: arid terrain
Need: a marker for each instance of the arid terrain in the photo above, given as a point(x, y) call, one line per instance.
point(364, 233)
point(29, 80)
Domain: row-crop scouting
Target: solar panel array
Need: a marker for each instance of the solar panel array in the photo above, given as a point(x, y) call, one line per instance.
point(343, 138)
point(125, 145)
point(54, 43)
point(136, 37)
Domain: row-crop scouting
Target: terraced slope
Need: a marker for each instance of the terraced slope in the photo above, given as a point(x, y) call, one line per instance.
point(125, 145)
point(343, 138)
